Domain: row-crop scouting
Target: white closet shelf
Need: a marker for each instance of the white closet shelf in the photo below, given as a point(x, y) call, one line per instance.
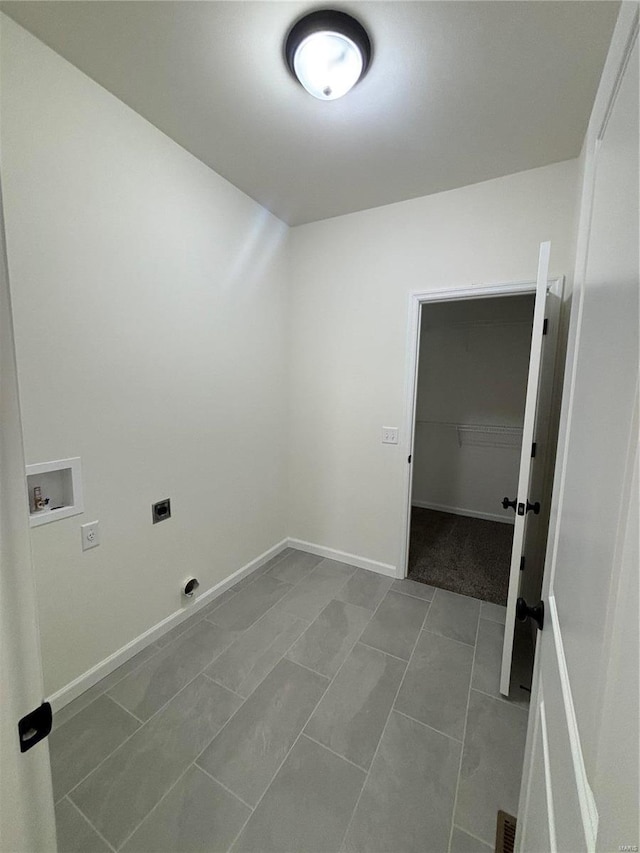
point(482, 435)
point(476, 324)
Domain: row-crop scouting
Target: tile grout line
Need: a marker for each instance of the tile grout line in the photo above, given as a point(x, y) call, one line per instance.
point(488, 618)
point(306, 574)
point(152, 809)
point(427, 726)
point(255, 575)
point(410, 594)
point(283, 656)
point(333, 752)
point(503, 699)
point(218, 782)
point(284, 583)
point(237, 639)
point(308, 626)
point(82, 814)
point(453, 640)
point(186, 625)
point(464, 737)
point(306, 571)
point(384, 728)
point(274, 641)
point(491, 621)
point(166, 794)
point(211, 678)
point(350, 604)
point(328, 687)
point(106, 690)
point(131, 714)
point(246, 631)
point(333, 594)
point(447, 592)
point(395, 657)
point(349, 650)
point(106, 758)
point(471, 835)
point(304, 666)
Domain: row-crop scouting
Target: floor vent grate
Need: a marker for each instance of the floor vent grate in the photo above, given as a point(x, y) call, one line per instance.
point(505, 833)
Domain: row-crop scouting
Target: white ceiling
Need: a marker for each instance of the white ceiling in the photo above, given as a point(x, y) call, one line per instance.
point(458, 92)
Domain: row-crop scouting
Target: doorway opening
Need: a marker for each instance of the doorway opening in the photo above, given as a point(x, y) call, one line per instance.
point(483, 395)
point(473, 362)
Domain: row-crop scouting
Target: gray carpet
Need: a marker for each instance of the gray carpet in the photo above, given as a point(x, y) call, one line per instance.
point(466, 555)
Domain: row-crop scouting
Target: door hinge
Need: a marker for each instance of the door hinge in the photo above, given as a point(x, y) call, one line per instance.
point(521, 564)
point(545, 326)
point(35, 726)
point(409, 459)
point(534, 447)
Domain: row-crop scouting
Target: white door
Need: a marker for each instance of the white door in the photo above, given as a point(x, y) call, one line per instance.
point(580, 785)
point(26, 799)
point(523, 499)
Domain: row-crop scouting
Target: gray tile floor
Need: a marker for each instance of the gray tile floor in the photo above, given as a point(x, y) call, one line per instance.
point(313, 707)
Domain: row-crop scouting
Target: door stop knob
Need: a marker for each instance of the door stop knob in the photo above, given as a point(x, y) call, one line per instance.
point(524, 612)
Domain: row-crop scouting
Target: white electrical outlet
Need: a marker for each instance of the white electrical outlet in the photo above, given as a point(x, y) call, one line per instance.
point(90, 535)
point(389, 435)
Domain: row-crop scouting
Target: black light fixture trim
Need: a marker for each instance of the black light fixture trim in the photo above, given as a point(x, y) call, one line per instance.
point(328, 20)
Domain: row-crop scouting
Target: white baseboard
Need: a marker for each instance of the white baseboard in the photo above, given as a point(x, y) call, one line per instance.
point(343, 557)
point(457, 510)
point(83, 682)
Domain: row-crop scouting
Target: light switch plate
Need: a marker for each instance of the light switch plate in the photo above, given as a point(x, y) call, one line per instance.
point(90, 535)
point(389, 435)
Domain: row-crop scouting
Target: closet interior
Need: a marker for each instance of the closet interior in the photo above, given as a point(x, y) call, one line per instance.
point(472, 379)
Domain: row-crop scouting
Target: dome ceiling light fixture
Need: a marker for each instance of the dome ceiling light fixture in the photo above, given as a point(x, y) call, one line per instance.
point(328, 52)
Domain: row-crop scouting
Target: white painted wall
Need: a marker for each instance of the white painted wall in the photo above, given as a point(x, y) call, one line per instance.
point(350, 283)
point(149, 306)
point(472, 371)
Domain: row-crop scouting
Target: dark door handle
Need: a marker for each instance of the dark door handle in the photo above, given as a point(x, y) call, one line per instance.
point(506, 503)
point(524, 612)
